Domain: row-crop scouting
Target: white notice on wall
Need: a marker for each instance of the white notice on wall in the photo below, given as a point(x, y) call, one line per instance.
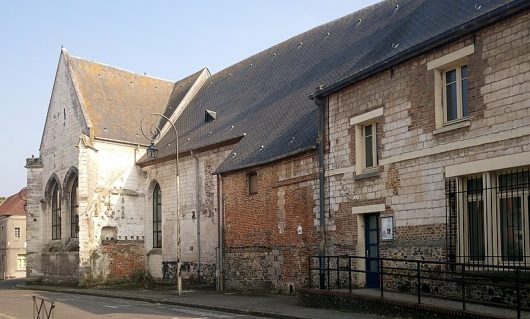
point(387, 228)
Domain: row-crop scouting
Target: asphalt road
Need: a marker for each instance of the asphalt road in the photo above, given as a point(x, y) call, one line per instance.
point(17, 304)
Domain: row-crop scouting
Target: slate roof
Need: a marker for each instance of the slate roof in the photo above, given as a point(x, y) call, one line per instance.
point(116, 100)
point(266, 95)
point(14, 204)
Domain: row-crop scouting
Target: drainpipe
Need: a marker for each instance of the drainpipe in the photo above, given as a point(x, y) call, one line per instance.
point(198, 199)
point(220, 225)
point(321, 103)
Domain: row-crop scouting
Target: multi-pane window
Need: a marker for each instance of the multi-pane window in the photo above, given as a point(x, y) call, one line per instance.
point(493, 217)
point(369, 145)
point(74, 211)
point(455, 93)
point(157, 217)
point(252, 183)
point(21, 262)
point(17, 232)
point(56, 212)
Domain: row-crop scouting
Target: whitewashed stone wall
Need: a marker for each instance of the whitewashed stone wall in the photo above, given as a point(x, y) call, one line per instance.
point(65, 125)
point(198, 200)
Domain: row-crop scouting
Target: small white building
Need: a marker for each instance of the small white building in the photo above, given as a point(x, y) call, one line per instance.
point(13, 236)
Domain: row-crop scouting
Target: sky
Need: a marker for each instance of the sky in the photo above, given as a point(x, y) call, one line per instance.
point(165, 39)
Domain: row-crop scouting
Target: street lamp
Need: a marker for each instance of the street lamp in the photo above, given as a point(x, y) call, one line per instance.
point(152, 152)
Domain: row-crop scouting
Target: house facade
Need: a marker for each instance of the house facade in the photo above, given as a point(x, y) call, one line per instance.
point(431, 153)
point(13, 236)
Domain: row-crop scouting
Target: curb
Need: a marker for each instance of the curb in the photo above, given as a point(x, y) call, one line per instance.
point(165, 301)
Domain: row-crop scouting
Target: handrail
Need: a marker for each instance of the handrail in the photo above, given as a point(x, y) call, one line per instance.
point(420, 274)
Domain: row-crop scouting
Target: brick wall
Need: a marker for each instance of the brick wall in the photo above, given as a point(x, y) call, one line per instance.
point(125, 257)
point(263, 250)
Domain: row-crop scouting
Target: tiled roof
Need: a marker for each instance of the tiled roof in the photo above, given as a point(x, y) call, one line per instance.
point(266, 95)
point(115, 100)
point(14, 204)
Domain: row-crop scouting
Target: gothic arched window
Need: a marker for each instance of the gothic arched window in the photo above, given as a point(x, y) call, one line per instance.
point(157, 217)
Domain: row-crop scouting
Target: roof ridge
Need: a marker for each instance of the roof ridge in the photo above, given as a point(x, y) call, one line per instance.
point(119, 69)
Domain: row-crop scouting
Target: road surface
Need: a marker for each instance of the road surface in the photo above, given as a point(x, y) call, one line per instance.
point(17, 304)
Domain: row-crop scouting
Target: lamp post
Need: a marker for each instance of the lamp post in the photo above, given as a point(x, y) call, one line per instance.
point(152, 152)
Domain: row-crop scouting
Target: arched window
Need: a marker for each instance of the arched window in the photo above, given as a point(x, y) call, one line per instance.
point(157, 217)
point(56, 211)
point(74, 211)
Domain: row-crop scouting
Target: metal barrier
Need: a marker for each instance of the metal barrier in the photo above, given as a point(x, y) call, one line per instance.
point(42, 308)
point(508, 286)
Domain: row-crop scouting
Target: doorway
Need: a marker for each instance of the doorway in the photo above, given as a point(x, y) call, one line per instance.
point(371, 240)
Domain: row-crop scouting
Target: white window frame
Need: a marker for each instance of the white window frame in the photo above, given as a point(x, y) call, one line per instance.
point(459, 98)
point(440, 66)
point(360, 122)
point(374, 145)
point(17, 232)
point(25, 261)
point(492, 221)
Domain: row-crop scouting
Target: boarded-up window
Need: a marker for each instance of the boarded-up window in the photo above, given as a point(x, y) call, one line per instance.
point(252, 183)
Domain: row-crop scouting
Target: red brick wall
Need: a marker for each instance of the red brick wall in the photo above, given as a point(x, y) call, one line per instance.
point(126, 256)
point(263, 250)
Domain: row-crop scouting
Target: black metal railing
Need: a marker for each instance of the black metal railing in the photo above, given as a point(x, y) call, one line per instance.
point(42, 308)
point(488, 217)
point(503, 286)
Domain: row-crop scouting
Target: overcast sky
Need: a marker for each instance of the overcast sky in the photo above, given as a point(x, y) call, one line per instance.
point(166, 39)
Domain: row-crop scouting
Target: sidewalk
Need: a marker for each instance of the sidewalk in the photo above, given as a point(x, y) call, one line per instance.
point(281, 307)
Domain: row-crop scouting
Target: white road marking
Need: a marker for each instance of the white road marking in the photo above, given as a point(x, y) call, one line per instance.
point(203, 313)
point(116, 306)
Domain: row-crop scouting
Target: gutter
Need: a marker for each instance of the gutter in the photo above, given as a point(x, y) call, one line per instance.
point(198, 199)
point(321, 104)
point(501, 13)
point(220, 224)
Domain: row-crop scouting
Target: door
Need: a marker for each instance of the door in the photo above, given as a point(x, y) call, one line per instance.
point(371, 233)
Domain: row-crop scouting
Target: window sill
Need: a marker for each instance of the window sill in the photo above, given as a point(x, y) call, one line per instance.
point(367, 173)
point(452, 126)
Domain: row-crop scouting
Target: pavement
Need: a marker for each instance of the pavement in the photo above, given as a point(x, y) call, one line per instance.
point(270, 306)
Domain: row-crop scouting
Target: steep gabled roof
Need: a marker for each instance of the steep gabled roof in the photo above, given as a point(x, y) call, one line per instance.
point(14, 204)
point(264, 98)
point(116, 100)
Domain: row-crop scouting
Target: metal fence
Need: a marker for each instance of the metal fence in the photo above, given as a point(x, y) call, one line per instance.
point(488, 219)
point(504, 286)
point(42, 308)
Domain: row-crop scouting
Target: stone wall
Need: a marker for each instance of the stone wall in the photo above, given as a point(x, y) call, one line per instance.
point(269, 235)
point(112, 203)
point(64, 127)
point(415, 154)
point(198, 206)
